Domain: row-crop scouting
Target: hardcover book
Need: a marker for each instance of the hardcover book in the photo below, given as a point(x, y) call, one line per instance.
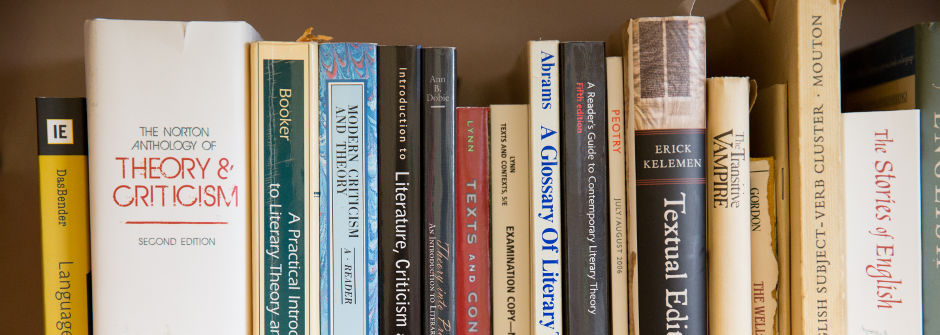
point(728, 208)
point(545, 183)
point(586, 233)
point(901, 72)
point(882, 187)
point(509, 198)
point(763, 225)
point(400, 190)
point(618, 197)
point(168, 175)
point(348, 189)
point(438, 82)
point(666, 78)
point(473, 220)
point(284, 181)
point(770, 112)
point(797, 43)
point(63, 210)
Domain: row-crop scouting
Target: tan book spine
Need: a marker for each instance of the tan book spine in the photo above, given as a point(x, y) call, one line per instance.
point(763, 226)
point(728, 235)
point(816, 166)
point(770, 112)
point(509, 168)
point(618, 183)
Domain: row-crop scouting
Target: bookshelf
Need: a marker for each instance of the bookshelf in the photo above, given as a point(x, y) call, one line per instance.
point(43, 44)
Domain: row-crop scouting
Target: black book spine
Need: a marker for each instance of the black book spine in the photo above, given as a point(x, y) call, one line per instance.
point(586, 233)
point(438, 79)
point(400, 190)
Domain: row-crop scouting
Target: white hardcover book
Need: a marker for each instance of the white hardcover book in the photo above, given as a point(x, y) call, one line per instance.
point(882, 193)
point(168, 175)
point(544, 146)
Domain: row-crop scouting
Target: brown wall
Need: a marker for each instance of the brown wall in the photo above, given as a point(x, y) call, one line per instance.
point(42, 56)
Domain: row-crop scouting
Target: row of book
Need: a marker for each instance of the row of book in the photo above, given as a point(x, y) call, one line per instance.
point(300, 187)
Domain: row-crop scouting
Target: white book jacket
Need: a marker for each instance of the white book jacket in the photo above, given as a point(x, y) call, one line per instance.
point(882, 194)
point(168, 175)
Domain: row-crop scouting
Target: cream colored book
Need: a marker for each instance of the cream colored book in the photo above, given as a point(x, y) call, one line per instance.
point(509, 180)
point(728, 208)
point(883, 235)
point(285, 177)
point(545, 183)
point(763, 226)
point(797, 43)
point(618, 203)
point(168, 176)
point(770, 112)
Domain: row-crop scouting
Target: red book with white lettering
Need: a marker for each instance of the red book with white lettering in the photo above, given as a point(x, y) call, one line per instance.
point(473, 220)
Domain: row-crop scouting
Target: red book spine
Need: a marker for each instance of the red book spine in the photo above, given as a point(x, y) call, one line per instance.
point(473, 221)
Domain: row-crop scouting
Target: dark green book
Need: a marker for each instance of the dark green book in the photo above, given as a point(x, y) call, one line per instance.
point(902, 71)
point(284, 215)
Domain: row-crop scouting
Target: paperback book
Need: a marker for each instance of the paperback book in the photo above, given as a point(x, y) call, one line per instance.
point(438, 82)
point(63, 210)
point(285, 252)
point(400, 190)
point(348, 189)
point(511, 237)
point(473, 220)
point(545, 183)
point(586, 233)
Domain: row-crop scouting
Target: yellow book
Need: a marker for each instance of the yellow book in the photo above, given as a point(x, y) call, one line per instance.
point(797, 43)
point(63, 203)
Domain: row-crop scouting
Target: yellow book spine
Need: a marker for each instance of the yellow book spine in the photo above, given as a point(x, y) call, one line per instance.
point(63, 203)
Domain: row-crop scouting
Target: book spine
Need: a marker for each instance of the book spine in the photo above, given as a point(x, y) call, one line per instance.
point(473, 220)
point(927, 99)
point(400, 190)
point(545, 173)
point(348, 164)
point(770, 112)
point(883, 286)
point(728, 185)
point(763, 225)
point(817, 206)
point(586, 238)
point(667, 104)
point(281, 144)
point(63, 209)
point(438, 82)
point(509, 196)
point(617, 174)
point(169, 170)
point(633, 312)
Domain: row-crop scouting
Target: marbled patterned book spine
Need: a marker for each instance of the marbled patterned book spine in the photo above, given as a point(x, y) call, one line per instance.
point(349, 189)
